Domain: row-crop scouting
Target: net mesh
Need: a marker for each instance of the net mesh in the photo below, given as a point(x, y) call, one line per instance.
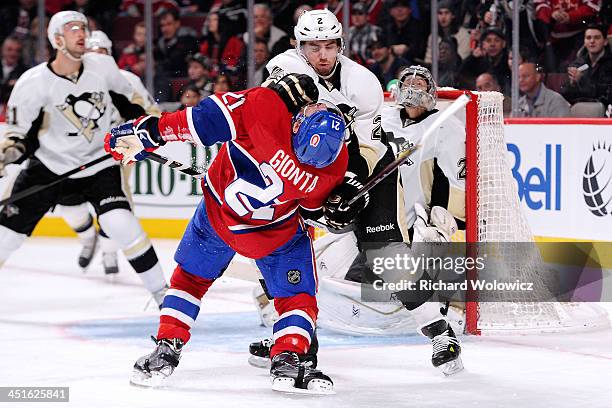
point(500, 219)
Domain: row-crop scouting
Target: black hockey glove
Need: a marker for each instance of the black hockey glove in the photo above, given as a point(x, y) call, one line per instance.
point(337, 214)
point(296, 90)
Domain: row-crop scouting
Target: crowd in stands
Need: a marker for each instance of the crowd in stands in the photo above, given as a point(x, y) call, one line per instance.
point(200, 46)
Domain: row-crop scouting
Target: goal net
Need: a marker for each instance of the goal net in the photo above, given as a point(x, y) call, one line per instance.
point(494, 215)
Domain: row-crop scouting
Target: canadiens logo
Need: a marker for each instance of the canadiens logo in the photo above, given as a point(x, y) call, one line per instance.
point(83, 112)
point(314, 140)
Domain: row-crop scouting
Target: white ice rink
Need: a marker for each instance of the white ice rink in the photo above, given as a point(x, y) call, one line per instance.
point(60, 327)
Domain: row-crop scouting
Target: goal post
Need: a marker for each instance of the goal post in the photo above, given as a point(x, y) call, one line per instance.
point(494, 215)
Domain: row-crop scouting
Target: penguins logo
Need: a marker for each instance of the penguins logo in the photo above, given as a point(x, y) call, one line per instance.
point(83, 112)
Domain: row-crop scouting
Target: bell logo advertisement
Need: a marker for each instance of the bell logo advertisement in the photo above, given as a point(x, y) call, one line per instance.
point(539, 186)
point(563, 174)
point(597, 180)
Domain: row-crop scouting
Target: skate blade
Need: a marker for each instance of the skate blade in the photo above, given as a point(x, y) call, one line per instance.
point(142, 380)
point(452, 367)
point(259, 362)
point(315, 387)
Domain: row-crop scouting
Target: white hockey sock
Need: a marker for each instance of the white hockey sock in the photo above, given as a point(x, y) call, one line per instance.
point(80, 220)
point(10, 241)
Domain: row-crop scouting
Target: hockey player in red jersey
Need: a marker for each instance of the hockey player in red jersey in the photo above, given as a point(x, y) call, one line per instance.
point(282, 155)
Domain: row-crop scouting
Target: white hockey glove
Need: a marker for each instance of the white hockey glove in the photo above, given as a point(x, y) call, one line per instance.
point(436, 226)
point(10, 151)
point(132, 141)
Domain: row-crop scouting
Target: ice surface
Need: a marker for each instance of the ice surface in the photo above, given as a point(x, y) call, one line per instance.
point(60, 327)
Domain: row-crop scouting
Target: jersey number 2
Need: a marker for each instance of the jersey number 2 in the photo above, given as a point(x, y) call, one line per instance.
point(239, 193)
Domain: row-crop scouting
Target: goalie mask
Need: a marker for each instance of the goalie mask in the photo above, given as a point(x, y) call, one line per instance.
point(409, 93)
point(320, 135)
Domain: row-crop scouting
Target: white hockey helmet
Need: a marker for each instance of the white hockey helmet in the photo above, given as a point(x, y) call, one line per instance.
point(98, 39)
point(317, 25)
point(57, 22)
point(407, 95)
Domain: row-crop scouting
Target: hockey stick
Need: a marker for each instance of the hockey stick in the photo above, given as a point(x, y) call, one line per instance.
point(183, 168)
point(405, 154)
point(60, 178)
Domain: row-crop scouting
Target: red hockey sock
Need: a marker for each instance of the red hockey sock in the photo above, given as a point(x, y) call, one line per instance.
point(181, 304)
point(295, 326)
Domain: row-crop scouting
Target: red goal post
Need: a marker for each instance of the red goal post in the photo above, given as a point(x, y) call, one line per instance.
point(494, 214)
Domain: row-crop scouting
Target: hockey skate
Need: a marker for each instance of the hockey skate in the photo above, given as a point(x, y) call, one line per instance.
point(88, 251)
point(289, 374)
point(260, 353)
point(110, 263)
point(446, 347)
point(151, 370)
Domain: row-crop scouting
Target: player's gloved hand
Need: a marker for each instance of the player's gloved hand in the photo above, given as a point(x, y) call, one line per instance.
point(337, 213)
point(10, 151)
point(296, 90)
point(133, 141)
point(437, 225)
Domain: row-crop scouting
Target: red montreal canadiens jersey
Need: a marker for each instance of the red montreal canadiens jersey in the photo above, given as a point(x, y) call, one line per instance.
point(255, 185)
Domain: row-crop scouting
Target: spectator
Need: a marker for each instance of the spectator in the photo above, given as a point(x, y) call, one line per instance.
point(590, 75)
point(15, 19)
point(386, 63)
point(486, 82)
point(222, 48)
point(222, 83)
point(566, 20)
point(335, 6)
point(12, 66)
point(448, 26)
point(491, 56)
point(30, 54)
point(174, 45)
point(262, 56)
point(232, 16)
point(283, 10)
point(135, 8)
point(297, 13)
point(449, 62)
point(537, 100)
point(277, 39)
point(133, 56)
point(406, 35)
point(102, 12)
point(198, 72)
point(373, 10)
point(190, 96)
point(362, 34)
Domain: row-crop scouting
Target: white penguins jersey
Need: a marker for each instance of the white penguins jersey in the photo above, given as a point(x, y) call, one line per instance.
point(72, 116)
point(148, 103)
point(358, 95)
point(435, 173)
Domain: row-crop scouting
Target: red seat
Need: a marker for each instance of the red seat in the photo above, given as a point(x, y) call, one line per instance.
point(176, 84)
point(554, 81)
